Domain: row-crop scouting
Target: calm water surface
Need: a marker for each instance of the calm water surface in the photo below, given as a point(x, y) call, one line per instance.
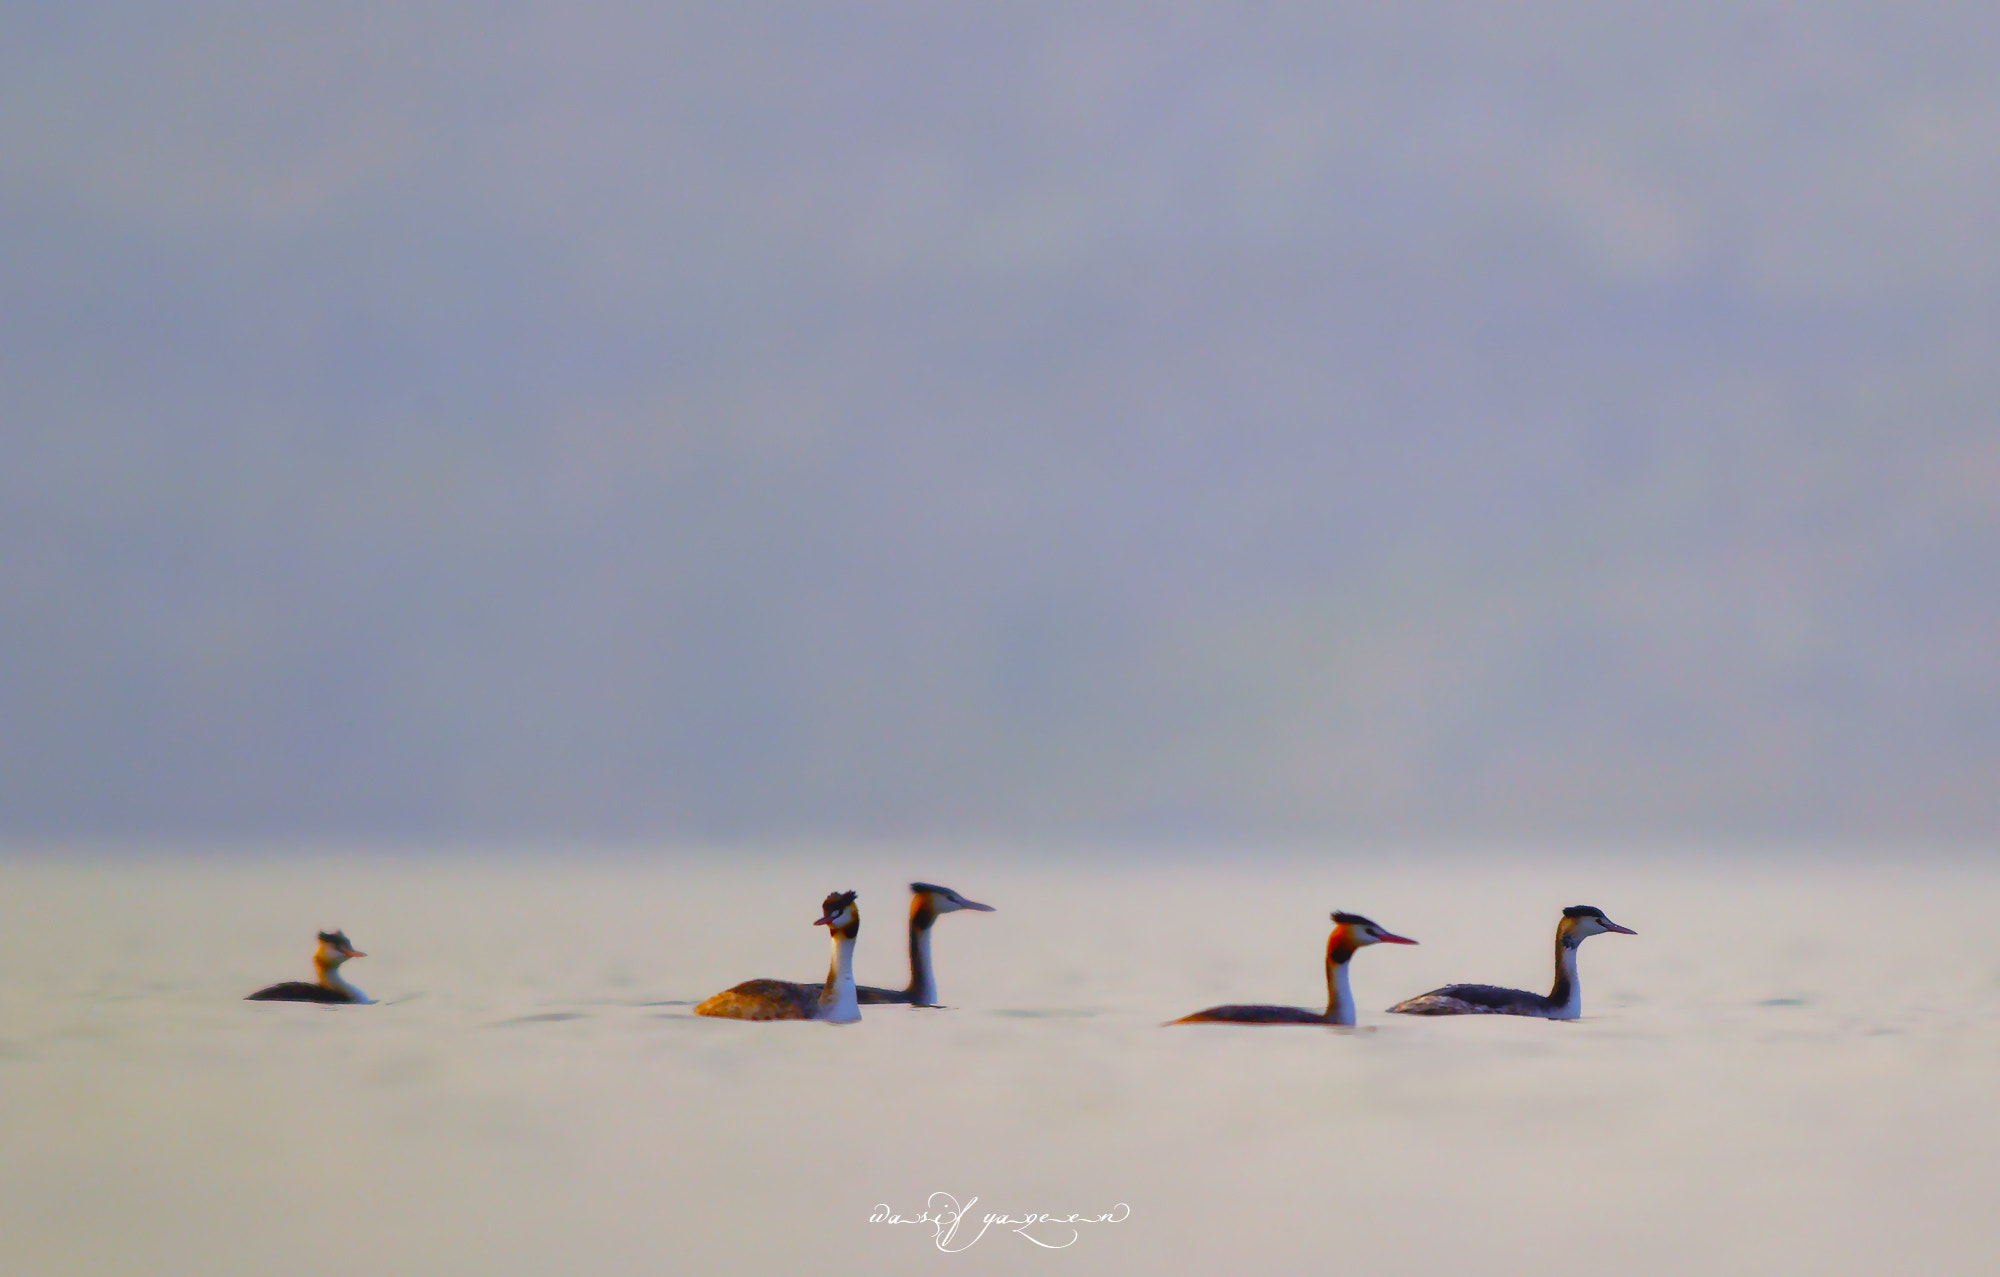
point(1791, 1069)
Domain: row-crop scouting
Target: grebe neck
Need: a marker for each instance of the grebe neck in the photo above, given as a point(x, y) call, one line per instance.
point(837, 1001)
point(330, 978)
point(1567, 996)
point(923, 985)
point(1339, 997)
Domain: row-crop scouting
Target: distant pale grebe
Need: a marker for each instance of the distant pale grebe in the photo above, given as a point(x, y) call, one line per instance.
point(1351, 932)
point(334, 949)
point(927, 901)
point(1563, 1002)
point(833, 1001)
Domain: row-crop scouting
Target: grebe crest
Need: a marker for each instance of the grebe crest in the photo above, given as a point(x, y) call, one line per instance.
point(335, 948)
point(1580, 922)
point(928, 900)
point(838, 914)
point(1352, 932)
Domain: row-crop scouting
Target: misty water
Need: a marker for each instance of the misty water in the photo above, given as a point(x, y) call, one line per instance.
point(1789, 1069)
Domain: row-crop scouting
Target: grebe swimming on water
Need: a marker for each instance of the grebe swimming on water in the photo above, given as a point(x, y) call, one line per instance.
point(927, 901)
point(1351, 932)
point(1563, 1002)
point(833, 1001)
point(334, 949)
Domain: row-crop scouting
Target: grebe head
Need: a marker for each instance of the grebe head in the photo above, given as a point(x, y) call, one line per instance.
point(1357, 931)
point(335, 948)
point(1580, 922)
point(928, 897)
point(840, 915)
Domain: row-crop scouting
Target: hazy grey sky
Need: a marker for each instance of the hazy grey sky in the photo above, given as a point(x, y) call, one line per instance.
point(775, 418)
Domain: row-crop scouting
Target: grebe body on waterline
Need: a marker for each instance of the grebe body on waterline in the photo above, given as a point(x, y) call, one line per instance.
point(1564, 1001)
point(1351, 933)
point(833, 1001)
point(331, 987)
point(927, 902)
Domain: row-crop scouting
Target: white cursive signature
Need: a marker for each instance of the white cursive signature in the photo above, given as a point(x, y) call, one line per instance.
point(945, 1216)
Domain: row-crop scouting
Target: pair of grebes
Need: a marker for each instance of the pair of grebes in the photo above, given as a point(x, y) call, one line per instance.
point(839, 1000)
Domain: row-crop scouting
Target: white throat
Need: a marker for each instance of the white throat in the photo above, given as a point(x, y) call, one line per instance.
point(923, 985)
point(332, 979)
point(837, 1002)
point(1566, 962)
point(1343, 996)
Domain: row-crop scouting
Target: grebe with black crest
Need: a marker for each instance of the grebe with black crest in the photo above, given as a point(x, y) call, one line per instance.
point(833, 1001)
point(331, 987)
point(1351, 933)
point(927, 902)
point(1562, 1002)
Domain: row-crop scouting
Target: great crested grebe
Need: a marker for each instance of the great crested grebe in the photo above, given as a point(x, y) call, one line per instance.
point(833, 1001)
point(1563, 1002)
point(927, 901)
point(334, 949)
point(1351, 931)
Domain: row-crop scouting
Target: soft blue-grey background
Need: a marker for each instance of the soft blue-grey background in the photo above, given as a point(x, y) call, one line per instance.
point(744, 419)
